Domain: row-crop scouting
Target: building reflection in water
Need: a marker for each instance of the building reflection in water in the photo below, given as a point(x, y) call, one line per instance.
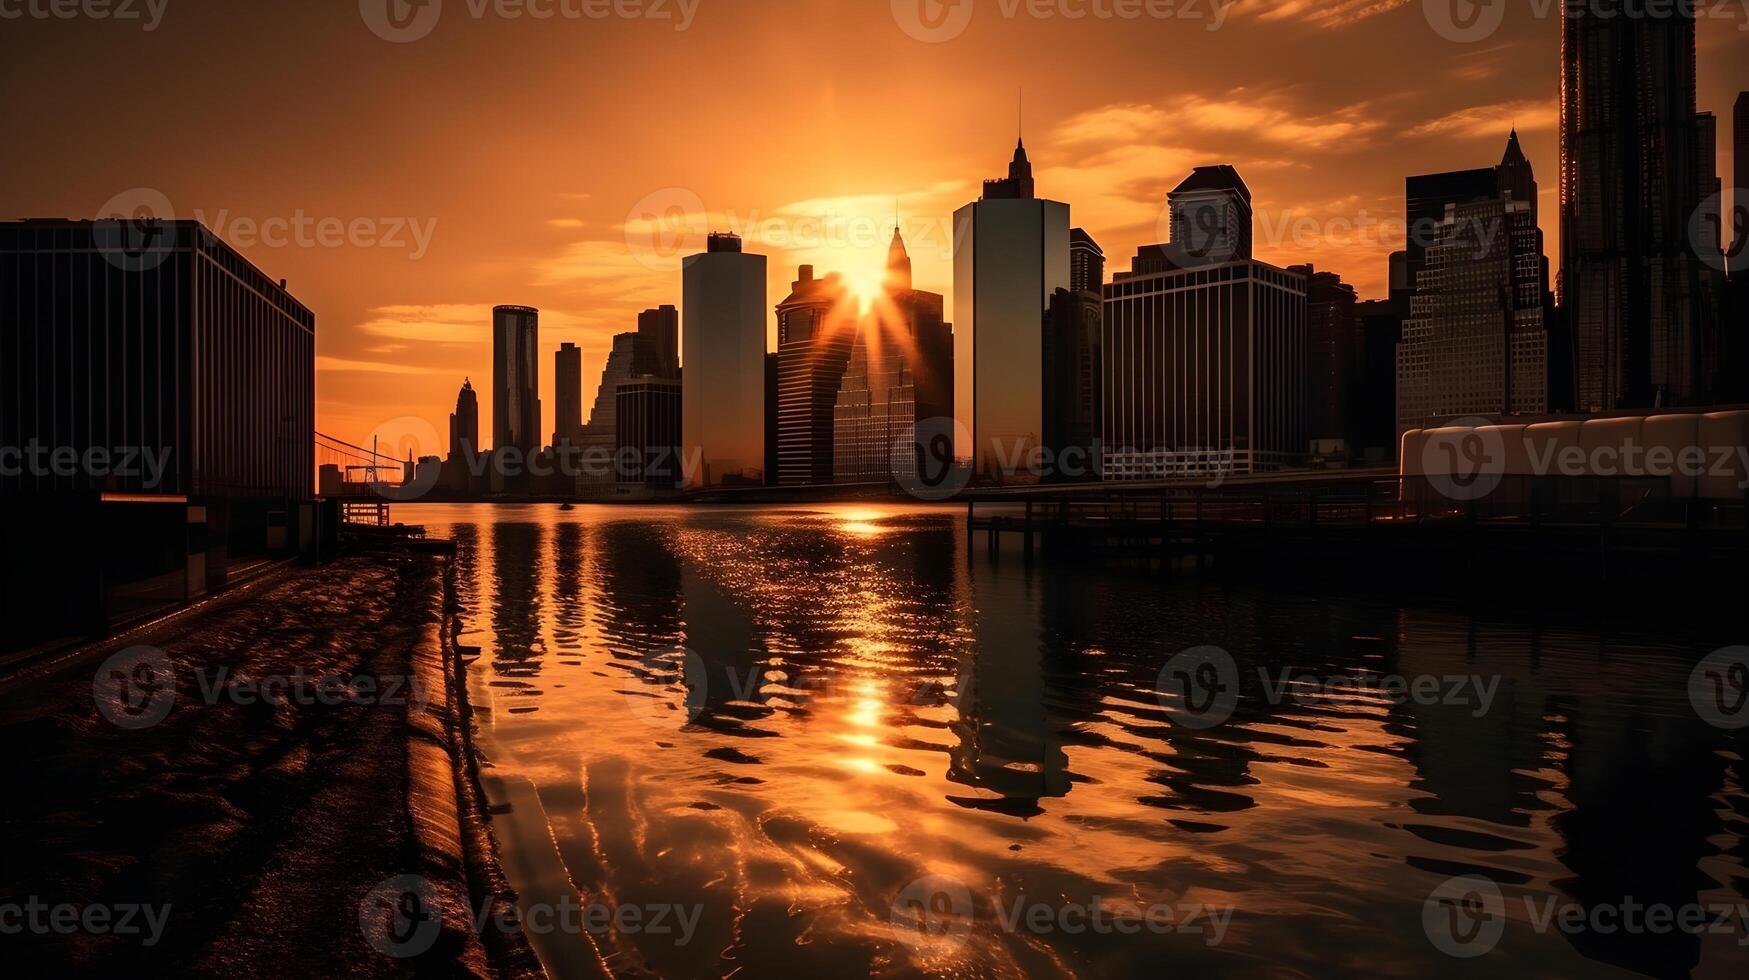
point(1009, 746)
point(845, 703)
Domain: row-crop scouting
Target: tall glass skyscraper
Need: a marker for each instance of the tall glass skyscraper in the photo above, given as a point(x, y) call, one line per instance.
point(516, 379)
point(722, 346)
point(1011, 252)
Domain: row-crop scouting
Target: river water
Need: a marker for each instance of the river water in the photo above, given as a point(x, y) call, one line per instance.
point(836, 740)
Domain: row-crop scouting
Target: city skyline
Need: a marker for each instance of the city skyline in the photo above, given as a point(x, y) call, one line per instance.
point(399, 333)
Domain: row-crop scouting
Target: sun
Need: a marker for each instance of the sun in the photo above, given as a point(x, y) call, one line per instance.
point(866, 284)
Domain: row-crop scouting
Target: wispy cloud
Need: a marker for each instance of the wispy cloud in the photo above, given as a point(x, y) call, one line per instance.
point(1326, 13)
point(325, 363)
point(1527, 115)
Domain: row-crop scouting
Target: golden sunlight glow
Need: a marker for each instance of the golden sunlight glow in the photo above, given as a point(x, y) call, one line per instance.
point(866, 283)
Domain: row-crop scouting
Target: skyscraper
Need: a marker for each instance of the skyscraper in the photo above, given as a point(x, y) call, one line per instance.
point(1011, 252)
point(601, 434)
point(723, 349)
point(1476, 342)
point(516, 380)
point(1086, 262)
point(647, 432)
point(464, 423)
point(1205, 366)
point(1631, 284)
point(1740, 178)
point(1072, 385)
point(464, 441)
point(1210, 214)
point(1426, 196)
point(659, 342)
point(816, 327)
point(1335, 354)
point(900, 373)
point(567, 396)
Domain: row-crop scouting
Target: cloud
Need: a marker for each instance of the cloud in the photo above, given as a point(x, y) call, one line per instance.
point(325, 363)
point(564, 223)
point(1327, 13)
point(1528, 115)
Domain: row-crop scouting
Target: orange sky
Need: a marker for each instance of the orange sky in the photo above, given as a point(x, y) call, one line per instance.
point(505, 158)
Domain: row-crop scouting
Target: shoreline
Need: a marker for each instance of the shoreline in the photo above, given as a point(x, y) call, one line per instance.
point(272, 765)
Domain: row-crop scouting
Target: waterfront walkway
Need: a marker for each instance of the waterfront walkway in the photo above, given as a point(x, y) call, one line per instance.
point(253, 818)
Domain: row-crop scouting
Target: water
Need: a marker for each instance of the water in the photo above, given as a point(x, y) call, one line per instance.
point(843, 742)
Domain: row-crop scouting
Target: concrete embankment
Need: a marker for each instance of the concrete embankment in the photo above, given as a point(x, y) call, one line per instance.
point(278, 786)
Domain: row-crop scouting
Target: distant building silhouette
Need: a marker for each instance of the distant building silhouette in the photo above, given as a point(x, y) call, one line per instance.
point(659, 342)
point(1086, 262)
point(816, 328)
point(567, 396)
point(1375, 404)
point(1335, 359)
point(1072, 385)
point(723, 348)
point(515, 393)
point(1011, 252)
point(647, 433)
point(1205, 364)
point(900, 374)
point(1640, 304)
point(1476, 342)
point(464, 441)
point(160, 394)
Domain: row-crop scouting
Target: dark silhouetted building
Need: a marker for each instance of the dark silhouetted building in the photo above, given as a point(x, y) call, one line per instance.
point(1072, 386)
point(1476, 342)
point(464, 441)
point(515, 387)
point(816, 328)
point(1634, 292)
point(1335, 357)
point(1086, 262)
point(1205, 366)
point(1426, 198)
point(659, 342)
point(1011, 252)
point(647, 421)
point(158, 420)
point(567, 396)
point(900, 373)
point(723, 348)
